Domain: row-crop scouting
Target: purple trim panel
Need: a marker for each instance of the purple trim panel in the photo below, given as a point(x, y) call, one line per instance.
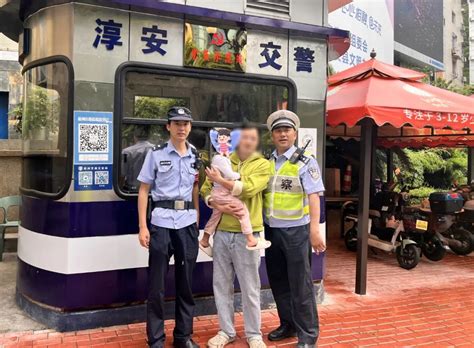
point(91, 219)
point(84, 219)
point(114, 288)
point(80, 219)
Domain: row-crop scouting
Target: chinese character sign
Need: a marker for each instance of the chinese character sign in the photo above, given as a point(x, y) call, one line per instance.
point(270, 53)
point(307, 66)
point(108, 34)
point(371, 26)
point(215, 48)
point(304, 58)
point(154, 38)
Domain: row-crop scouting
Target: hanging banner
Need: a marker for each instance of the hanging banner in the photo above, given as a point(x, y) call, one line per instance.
point(215, 48)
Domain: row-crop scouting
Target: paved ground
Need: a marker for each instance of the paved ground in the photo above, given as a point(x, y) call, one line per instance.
point(432, 305)
point(11, 317)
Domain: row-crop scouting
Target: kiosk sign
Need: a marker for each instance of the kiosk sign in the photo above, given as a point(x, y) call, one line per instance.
point(215, 48)
point(92, 150)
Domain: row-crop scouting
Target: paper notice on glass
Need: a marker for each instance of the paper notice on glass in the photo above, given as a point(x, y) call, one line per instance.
point(308, 134)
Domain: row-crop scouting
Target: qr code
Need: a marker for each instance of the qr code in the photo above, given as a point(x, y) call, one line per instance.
point(85, 178)
point(93, 138)
point(101, 177)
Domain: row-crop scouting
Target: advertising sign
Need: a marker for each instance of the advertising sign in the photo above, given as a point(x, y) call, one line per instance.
point(371, 26)
point(92, 150)
point(215, 48)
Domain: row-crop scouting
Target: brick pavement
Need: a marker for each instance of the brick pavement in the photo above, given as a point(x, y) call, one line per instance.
point(432, 305)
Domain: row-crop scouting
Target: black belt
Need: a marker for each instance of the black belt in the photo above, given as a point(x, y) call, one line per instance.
point(175, 205)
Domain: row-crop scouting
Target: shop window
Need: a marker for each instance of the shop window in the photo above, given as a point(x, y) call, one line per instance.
point(215, 100)
point(45, 125)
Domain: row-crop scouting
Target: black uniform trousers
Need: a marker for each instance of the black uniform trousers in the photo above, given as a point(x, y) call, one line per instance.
point(288, 263)
point(183, 244)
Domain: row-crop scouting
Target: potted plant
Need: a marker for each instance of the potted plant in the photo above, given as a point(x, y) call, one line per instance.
point(40, 114)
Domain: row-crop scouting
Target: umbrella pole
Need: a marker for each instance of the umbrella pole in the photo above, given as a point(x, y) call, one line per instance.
point(470, 164)
point(366, 142)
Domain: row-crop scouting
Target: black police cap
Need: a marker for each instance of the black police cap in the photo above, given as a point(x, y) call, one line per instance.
point(179, 113)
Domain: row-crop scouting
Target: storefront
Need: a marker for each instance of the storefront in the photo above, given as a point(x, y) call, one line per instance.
point(98, 80)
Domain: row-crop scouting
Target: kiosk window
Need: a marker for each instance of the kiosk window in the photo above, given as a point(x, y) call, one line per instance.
point(215, 101)
point(44, 128)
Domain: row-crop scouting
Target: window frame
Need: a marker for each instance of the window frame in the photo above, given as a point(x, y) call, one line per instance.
point(69, 125)
point(119, 87)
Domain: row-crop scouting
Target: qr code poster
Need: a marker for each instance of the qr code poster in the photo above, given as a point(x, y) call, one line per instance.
point(93, 137)
point(92, 177)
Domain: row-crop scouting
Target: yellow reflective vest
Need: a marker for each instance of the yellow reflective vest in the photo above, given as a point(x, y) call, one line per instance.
point(284, 197)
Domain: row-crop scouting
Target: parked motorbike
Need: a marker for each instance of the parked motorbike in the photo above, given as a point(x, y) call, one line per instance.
point(385, 231)
point(439, 225)
point(466, 218)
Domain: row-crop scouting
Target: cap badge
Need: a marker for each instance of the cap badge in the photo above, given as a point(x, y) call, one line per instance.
point(181, 111)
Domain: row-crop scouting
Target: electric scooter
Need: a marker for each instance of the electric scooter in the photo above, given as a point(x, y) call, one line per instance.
point(440, 225)
point(385, 232)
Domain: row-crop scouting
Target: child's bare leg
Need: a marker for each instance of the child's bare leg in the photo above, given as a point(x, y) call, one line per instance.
point(251, 240)
point(205, 239)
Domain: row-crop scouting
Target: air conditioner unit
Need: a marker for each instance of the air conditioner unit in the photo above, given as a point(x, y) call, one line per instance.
point(455, 53)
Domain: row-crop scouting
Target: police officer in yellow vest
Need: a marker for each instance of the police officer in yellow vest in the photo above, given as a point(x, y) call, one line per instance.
point(292, 213)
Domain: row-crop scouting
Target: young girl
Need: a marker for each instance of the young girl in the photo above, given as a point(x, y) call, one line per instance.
point(224, 141)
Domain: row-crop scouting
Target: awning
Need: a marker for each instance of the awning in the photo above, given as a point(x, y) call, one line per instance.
point(373, 99)
point(407, 137)
point(392, 95)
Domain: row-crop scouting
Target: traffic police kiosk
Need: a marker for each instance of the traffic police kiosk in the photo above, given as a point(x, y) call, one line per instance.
point(94, 72)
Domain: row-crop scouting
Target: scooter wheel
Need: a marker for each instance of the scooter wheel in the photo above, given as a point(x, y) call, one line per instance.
point(433, 249)
point(466, 239)
point(409, 256)
point(350, 239)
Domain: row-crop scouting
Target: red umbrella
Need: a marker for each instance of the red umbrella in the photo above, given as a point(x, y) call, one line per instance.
point(390, 94)
point(408, 137)
point(375, 92)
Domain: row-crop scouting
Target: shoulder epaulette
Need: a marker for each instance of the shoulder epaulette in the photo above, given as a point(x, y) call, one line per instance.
point(305, 158)
point(159, 147)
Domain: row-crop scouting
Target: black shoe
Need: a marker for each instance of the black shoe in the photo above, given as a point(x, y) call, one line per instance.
point(304, 345)
point(185, 344)
point(282, 332)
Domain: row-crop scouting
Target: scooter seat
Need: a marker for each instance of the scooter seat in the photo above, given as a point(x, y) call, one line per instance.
point(374, 213)
point(469, 205)
point(411, 209)
point(425, 210)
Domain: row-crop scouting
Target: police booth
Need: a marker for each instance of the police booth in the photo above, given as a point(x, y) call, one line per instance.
point(98, 82)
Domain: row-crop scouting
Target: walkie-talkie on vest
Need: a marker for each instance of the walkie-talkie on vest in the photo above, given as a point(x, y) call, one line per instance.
point(299, 153)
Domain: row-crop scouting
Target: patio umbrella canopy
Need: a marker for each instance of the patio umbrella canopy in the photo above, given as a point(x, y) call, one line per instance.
point(394, 95)
point(375, 94)
point(389, 137)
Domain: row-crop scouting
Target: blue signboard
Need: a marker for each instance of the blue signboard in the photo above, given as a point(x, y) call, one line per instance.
point(92, 150)
point(92, 177)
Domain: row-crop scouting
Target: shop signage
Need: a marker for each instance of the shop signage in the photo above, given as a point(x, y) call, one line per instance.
point(215, 48)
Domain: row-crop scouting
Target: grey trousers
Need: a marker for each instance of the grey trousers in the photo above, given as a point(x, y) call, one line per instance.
point(231, 258)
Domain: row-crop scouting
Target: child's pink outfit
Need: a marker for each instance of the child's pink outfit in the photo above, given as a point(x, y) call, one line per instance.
point(222, 196)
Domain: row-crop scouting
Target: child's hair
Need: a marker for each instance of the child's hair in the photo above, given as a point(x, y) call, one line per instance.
point(223, 131)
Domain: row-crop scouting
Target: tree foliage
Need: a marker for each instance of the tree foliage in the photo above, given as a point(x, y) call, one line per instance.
point(437, 168)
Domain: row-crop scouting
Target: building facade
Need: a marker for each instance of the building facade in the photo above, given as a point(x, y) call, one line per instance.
point(10, 86)
point(471, 41)
point(11, 83)
point(453, 39)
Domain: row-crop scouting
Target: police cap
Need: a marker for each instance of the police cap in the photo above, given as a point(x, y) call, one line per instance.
point(283, 118)
point(179, 113)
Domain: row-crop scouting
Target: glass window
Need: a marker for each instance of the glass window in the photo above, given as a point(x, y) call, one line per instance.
point(45, 128)
point(225, 101)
